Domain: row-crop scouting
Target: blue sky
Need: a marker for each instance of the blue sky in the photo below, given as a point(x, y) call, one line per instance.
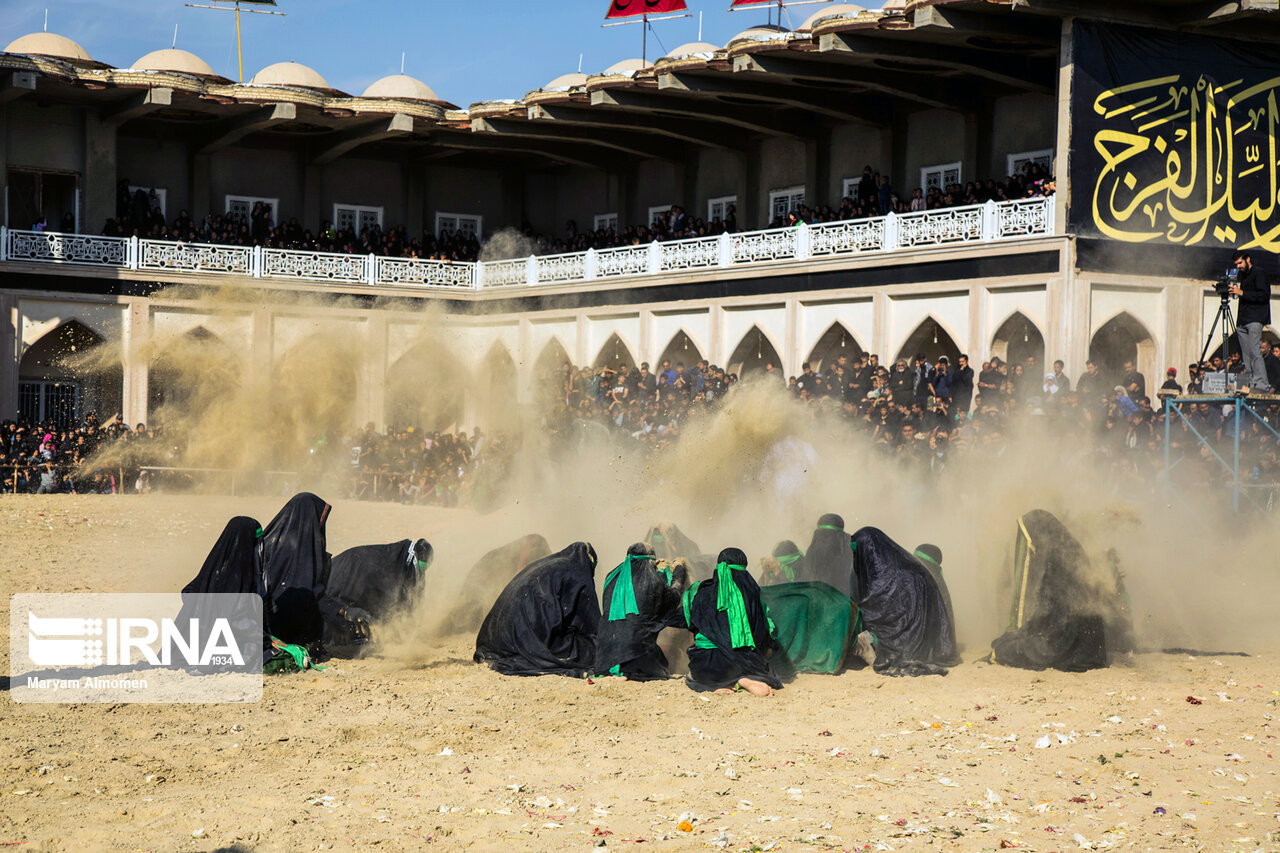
point(467, 51)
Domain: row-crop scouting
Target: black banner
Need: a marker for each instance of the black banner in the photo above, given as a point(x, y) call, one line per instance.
point(1174, 138)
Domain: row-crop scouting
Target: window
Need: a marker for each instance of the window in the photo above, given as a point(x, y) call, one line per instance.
point(59, 401)
point(718, 208)
point(448, 224)
point(356, 217)
point(605, 221)
point(160, 199)
point(34, 195)
point(849, 187)
point(1019, 162)
point(659, 212)
point(941, 176)
point(782, 202)
point(242, 205)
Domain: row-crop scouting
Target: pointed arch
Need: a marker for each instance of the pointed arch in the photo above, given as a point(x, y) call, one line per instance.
point(682, 348)
point(314, 391)
point(1124, 338)
point(1268, 334)
point(931, 338)
point(753, 353)
point(426, 388)
point(615, 354)
point(835, 342)
point(66, 374)
point(1017, 340)
point(496, 387)
point(553, 357)
point(190, 374)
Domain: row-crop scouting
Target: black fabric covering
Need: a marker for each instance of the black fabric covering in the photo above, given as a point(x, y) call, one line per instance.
point(487, 578)
point(545, 621)
point(378, 579)
point(231, 568)
point(1063, 614)
point(712, 669)
point(904, 605)
point(631, 643)
point(295, 566)
point(829, 559)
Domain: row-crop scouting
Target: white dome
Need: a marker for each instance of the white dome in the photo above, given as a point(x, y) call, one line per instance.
point(289, 74)
point(566, 81)
point(839, 10)
point(692, 48)
point(401, 86)
point(48, 44)
point(171, 59)
point(626, 67)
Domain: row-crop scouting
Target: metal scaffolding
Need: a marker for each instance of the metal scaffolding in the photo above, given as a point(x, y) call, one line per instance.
point(1243, 408)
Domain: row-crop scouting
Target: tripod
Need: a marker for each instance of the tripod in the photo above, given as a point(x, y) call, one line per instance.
point(1228, 323)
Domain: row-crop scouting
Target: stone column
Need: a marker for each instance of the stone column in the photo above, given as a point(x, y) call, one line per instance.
point(134, 361)
point(99, 190)
point(375, 373)
point(1062, 148)
point(10, 353)
point(791, 355)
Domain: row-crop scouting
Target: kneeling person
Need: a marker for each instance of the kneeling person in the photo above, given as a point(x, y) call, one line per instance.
point(545, 621)
point(639, 601)
point(731, 630)
point(368, 584)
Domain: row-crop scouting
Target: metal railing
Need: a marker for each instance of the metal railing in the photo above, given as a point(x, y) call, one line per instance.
point(955, 226)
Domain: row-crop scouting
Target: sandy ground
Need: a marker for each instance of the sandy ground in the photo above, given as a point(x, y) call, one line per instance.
point(422, 748)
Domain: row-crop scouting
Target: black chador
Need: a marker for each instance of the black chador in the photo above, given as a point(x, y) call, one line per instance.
point(639, 601)
point(368, 584)
point(545, 621)
point(731, 632)
point(295, 566)
point(904, 606)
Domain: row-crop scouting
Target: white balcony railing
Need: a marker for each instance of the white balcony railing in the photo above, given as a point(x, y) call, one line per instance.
point(1013, 220)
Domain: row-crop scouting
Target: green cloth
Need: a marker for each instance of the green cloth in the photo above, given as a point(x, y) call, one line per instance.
point(787, 562)
point(813, 623)
point(294, 659)
point(730, 602)
point(829, 527)
point(667, 576)
point(623, 602)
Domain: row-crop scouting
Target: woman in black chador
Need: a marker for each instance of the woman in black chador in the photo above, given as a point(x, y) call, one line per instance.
point(829, 558)
point(369, 583)
point(731, 631)
point(232, 567)
point(639, 601)
point(295, 566)
point(545, 621)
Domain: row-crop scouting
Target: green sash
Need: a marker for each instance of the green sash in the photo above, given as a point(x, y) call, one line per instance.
point(787, 562)
point(623, 602)
point(730, 602)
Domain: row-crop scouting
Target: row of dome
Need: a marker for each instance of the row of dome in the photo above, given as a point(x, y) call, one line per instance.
point(397, 85)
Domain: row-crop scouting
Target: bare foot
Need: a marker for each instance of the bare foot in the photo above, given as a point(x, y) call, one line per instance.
point(728, 690)
point(756, 688)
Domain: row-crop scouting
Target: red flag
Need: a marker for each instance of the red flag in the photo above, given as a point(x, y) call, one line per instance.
point(632, 8)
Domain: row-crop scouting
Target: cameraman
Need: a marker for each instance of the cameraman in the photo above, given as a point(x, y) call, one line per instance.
point(1254, 313)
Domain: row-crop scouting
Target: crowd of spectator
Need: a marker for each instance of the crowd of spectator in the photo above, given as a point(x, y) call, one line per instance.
point(139, 213)
point(405, 465)
point(925, 411)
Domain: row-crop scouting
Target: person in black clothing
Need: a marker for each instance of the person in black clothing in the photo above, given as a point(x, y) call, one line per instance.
point(545, 621)
point(1252, 316)
point(962, 386)
point(1135, 384)
point(371, 583)
point(1271, 360)
point(731, 632)
point(295, 567)
point(639, 601)
point(829, 558)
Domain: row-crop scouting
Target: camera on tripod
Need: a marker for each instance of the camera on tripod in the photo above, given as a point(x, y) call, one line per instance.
point(1224, 284)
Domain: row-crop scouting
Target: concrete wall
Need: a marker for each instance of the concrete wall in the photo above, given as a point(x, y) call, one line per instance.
point(49, 137)
point(469, 191)
point(1019, 123)
point(160, 163)
point(718, 174)
point(657, 183)
point(261, 173)
point(782, 165)
point(370, 183)
point(934, 137)
point(853, 148)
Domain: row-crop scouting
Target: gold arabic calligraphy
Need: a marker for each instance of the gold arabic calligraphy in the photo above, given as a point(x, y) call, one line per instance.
point(1185, 162)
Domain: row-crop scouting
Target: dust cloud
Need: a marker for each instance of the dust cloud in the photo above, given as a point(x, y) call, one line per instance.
point(506, 244)
point(757, 469)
